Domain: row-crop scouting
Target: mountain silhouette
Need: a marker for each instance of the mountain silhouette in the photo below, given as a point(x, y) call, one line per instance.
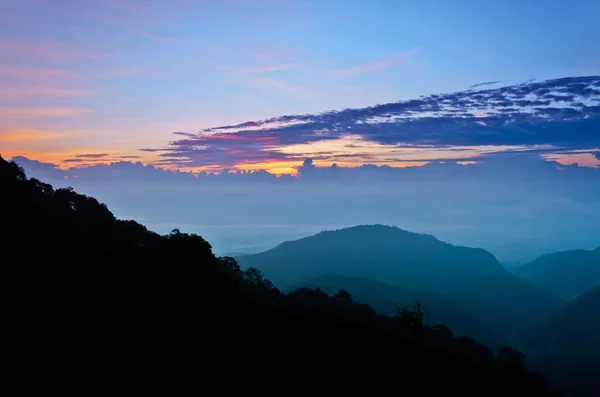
point(386, 299)
point(415, 261)
point(567, 274)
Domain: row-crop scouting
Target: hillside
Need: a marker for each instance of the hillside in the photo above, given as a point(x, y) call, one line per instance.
point(567, 274)
point(385, 299)
point(109, 297)
point(413, 261)
point(566, 346)
point(375, 251)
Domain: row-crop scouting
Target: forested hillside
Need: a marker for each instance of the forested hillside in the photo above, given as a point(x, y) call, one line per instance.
point(110, 299)
point(385, 299)
point(472, 277)
point(566, 346)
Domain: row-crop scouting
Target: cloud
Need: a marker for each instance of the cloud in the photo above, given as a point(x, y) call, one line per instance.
point(20, 92)
point(128, 157)
point(374, 66)
point(272, 68)
point(277, 86)
point(485, 83)
point(34, 73)
point(489, 168)
point(21, 81)
point(32, 135)
point(19, 50)
point(92, 155)
point(28, 113)
point(508, 119)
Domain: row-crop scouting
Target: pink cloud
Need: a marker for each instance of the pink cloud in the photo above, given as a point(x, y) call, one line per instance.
point(16, 49)
point(21, 92)
point(23, 81)
point(27, 113)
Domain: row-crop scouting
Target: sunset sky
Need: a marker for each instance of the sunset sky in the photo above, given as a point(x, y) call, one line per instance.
point(94, 81)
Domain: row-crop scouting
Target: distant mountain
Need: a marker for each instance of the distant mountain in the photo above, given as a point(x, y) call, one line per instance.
point(414, 261)
point(568, 345)
point(567, 274)
point(386, 298)
point(378, 252)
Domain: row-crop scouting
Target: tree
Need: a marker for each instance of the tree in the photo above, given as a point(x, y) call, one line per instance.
point(511, 358)
point(412, 318)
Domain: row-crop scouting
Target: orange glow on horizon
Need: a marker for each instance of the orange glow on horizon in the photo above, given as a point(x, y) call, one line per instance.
point(273, 167)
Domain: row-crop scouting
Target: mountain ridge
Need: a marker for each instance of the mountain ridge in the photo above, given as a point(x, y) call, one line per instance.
point(414, 261)
point(398, 239)
point(386, 299)
point(565, 273)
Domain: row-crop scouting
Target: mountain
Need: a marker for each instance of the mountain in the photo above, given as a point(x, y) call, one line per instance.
point(413, 261)
point(566, 346)
point(99, 293)
point(376, 252)
point(567, 274)
point(386, 299)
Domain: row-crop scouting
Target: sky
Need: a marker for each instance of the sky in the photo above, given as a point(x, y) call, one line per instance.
point(86, 82)
point(250, 122)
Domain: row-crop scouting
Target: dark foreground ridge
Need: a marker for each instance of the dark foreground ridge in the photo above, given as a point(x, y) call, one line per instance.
point(104, 302)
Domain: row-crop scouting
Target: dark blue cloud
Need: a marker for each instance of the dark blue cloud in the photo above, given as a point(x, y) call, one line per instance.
point(485, 83)
point(563, 113)
point(92, 155)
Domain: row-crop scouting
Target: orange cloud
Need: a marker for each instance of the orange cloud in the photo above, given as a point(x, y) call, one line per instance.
point(27, 136)
point(274, 167)
point(43, 155)
point(583, 159)
point(55, 145)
